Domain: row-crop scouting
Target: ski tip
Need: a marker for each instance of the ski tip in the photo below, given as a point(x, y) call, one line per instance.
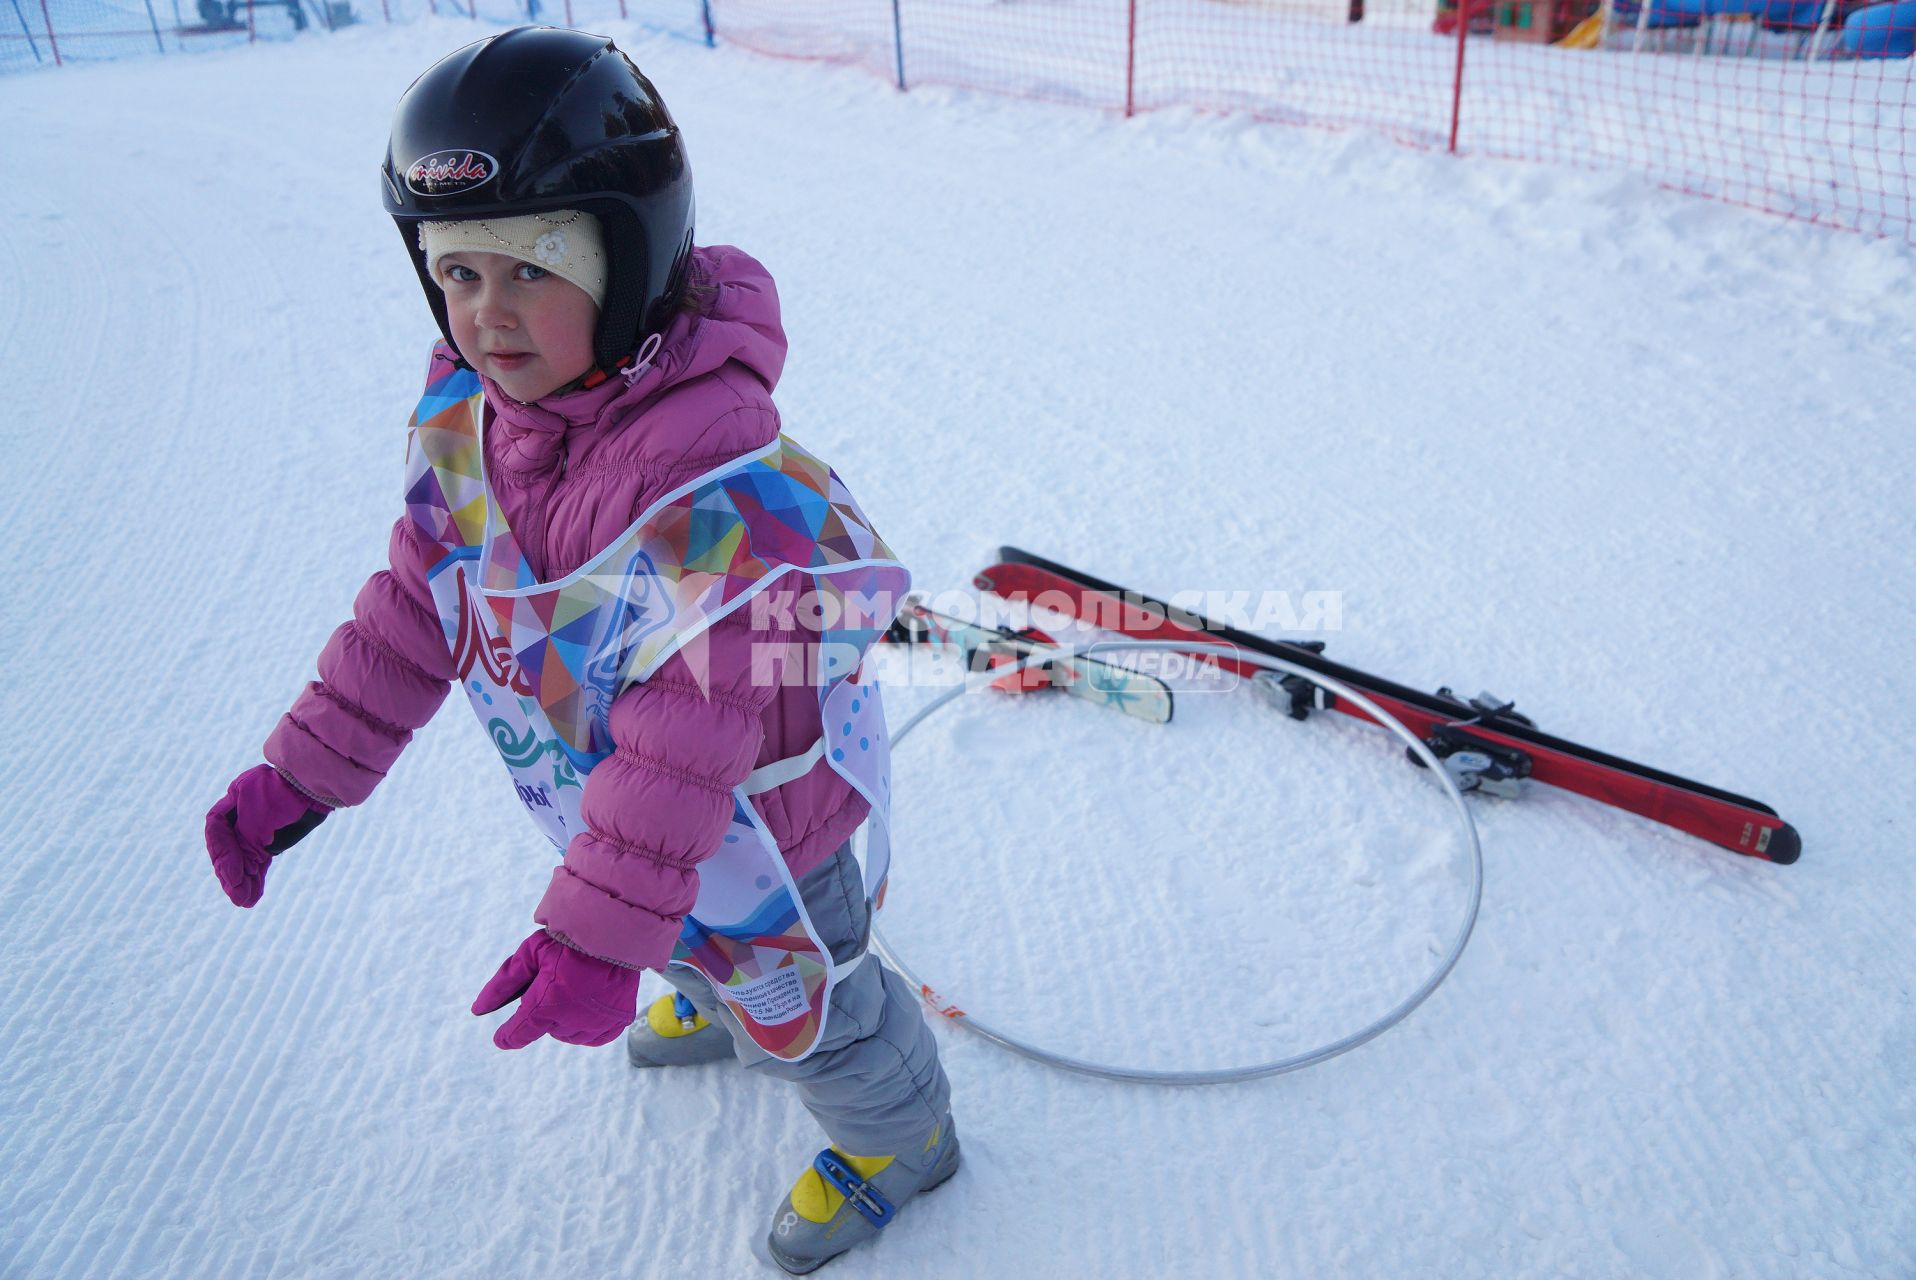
point(1785, 845)
point(1007, 555)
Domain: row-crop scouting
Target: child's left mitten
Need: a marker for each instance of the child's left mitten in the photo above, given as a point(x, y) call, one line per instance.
point(260, 815)
point(562, 993)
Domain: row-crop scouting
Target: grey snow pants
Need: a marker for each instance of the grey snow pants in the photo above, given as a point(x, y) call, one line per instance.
point(874, 1083)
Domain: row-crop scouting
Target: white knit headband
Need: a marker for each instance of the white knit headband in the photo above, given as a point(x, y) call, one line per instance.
point(567, 242)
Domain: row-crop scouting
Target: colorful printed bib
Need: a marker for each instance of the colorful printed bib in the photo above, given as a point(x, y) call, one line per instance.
point(542, 662)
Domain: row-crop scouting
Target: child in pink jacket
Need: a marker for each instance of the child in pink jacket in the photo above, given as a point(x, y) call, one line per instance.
point(598, 424)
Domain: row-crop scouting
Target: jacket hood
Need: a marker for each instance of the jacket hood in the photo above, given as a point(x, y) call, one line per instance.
point(741, 326)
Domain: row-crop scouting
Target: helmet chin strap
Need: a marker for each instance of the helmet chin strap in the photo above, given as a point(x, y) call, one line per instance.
point(630, 366)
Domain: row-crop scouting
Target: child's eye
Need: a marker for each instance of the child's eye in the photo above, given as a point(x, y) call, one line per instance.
point(527, 271)
point(460, 272)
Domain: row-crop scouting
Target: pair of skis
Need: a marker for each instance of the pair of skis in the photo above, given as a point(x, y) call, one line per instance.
point(1484, 743)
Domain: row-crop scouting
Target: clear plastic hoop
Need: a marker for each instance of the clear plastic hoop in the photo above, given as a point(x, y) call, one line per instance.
point(1221, 1075)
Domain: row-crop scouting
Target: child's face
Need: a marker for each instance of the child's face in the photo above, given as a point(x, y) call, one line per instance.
point(525, 328)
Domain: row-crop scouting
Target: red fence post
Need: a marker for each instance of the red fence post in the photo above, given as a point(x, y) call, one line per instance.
point(472, 7)
point(252, 32)
point(45, 17)
point(386, 9)
point(1457, 84)
point(568, 14)
point(1131, 62)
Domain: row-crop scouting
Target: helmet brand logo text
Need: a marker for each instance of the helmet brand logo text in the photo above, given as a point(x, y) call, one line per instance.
point(445, 173)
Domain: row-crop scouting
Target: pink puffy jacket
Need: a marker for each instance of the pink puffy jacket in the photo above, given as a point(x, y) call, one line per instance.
point(572, 472)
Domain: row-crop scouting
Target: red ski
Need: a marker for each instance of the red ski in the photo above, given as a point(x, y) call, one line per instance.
point(1486, 744)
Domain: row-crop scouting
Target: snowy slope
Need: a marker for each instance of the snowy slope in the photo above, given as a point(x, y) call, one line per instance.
point(1641, 462)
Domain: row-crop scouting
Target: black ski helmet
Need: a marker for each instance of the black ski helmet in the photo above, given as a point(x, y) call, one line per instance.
point(536, 119)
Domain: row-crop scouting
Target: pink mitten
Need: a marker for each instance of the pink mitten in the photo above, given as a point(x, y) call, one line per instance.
point(562, 993)
point(259, 816)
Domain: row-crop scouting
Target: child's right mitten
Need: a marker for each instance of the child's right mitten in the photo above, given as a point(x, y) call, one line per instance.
point(260, 815)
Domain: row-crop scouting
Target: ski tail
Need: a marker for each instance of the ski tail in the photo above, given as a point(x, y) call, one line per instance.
point(981, 648)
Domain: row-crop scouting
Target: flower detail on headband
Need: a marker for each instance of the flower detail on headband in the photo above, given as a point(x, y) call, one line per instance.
point(550, 248)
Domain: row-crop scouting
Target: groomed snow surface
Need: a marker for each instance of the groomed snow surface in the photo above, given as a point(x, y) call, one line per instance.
point(1639, 461)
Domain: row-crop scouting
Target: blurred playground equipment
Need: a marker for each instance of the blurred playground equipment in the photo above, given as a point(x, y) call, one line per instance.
point(1863, 29)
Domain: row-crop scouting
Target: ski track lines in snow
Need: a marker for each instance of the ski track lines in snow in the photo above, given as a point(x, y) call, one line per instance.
point(1549, 431)
point(140, 443)
point(108, 283)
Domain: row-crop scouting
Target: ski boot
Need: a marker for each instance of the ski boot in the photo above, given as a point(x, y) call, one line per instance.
point(674, 1034)
point(842, 1200)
